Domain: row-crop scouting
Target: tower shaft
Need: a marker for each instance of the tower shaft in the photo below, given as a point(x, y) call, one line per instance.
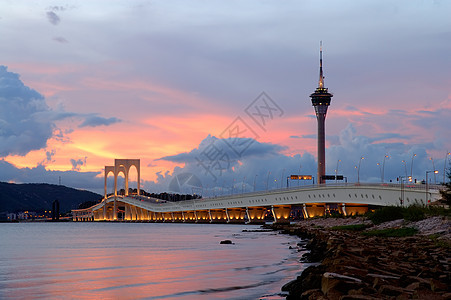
point(321, 100)
point(321, 136)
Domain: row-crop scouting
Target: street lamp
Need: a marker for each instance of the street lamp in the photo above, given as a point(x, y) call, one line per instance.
point(336, 171)
point(433, 168)
point(411, 166)
point(355, 167)
point(427, 183)
point(281, 179)
point(267, 179)
point(255, 177)
point(380, 171)
point(405, 167)
point(300, 166)
point(401, 179)
point(233, 186)
point(383, 168)
point(358, 170)
point(444, 167)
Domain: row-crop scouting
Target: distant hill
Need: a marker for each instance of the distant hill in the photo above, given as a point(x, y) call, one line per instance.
point(39, 197)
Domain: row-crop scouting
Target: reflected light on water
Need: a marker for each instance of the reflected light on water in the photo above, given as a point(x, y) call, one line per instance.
point(139, 260)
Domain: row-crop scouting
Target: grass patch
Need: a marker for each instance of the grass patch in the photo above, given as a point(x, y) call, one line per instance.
point(392, 232)
point(356, 227)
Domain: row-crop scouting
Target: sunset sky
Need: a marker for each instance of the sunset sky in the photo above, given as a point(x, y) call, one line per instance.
point(168, 82)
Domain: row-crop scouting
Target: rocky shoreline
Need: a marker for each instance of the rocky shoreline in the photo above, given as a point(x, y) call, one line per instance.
point(354, 266)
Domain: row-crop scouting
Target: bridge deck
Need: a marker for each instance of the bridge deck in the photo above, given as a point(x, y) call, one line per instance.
point(310, 197)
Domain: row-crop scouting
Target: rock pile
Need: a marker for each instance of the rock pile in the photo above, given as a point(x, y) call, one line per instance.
point(354, 266)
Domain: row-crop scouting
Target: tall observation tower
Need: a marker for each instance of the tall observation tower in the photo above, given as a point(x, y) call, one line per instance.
point(321, 101)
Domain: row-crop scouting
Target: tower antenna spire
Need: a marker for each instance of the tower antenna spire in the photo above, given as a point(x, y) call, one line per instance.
point(321, 77)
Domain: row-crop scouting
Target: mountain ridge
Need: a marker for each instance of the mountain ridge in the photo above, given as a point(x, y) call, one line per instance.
point(40, 196)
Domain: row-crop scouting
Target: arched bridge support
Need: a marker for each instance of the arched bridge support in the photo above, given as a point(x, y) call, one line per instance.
point(235, 215)
point(311, 210)
point(281, 213)
point(202, 216)
point(189, 216)
point(256, 214)
point(218, 215)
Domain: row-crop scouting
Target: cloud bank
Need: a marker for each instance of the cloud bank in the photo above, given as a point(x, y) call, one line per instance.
point(22, 125)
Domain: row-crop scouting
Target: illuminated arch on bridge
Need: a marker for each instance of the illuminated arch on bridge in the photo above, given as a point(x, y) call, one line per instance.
point(123, 165)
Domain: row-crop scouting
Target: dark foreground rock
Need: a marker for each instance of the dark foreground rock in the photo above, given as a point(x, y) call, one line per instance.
point(226, 242)
point(353, 266)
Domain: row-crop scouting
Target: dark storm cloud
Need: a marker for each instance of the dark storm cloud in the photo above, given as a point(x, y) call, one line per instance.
point(226, 146)
point(53, 18)
point(94, 121)
point(22, 128)
point(261, 164)
point(60, 39)
point(77, 163)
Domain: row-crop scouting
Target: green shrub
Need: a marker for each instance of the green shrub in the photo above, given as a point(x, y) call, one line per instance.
point(414, 213)
point(433, 210)
point(385, 214)
point(392, 232)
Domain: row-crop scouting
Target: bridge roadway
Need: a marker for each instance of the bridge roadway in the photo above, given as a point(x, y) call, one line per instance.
point(310, 201)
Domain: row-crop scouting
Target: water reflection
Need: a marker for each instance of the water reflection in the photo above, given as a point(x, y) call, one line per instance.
point(139, 260)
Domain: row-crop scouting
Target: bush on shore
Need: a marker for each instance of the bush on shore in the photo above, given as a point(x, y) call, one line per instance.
point(411, 213)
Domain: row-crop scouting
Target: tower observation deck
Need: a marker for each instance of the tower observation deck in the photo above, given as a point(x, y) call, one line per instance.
point(321, 101)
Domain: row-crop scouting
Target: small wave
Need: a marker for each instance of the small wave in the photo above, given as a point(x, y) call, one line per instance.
point(214, 290)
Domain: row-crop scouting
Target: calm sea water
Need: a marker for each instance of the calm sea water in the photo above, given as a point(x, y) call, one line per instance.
point(143, 261)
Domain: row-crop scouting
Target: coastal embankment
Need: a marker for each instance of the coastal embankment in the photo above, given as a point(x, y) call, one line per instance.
point(359, 260)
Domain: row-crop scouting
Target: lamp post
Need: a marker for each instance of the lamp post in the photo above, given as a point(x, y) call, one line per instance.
point(281, 179)
point(433, 168)
point(383, 168)
point(355, 167)
point(411, 166)
point(267, 179)
point(444, 167)
point(233, 185)
point(358, 170)
point(255, 177)
point(427, 184)
point(401, 179)
point(405, 167)
point(336, 171)
point(300, 166)
point(380, 171)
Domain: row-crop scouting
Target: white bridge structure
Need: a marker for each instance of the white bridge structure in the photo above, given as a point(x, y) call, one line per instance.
point(308, 201)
